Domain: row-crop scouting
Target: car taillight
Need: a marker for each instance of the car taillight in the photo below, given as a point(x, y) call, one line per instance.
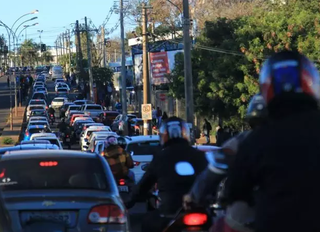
point(27, 134)
point(51, 115)
point(136, 127)
point(136, 163)
point(122, 182)
point(105, 214)
point(195, 219)
point(48, 163)
point(2, 174)
point(67, 136)
point(46, 107)
point(102, 153)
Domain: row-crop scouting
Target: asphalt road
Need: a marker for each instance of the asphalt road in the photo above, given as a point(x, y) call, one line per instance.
point(138, 211)
point(4, 102)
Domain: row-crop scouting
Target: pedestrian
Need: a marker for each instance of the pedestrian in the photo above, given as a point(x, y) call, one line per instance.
point(206, 130)
point(164, 116)
point(154, 116)
point(159, 114)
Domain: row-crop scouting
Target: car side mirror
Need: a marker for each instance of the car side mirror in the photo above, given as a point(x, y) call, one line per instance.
point(145, 167)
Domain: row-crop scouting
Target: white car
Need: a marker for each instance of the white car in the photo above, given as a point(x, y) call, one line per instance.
point(38, 118)
point(41, 89)
point(88, 119)
point(38, 84)
point(85, 135)
point(142, 148)
point(37, 135)
point(93, 137)
point(58, 102)
point(60, 80)
point(39, 122)
point(71, 108)
point(81, 102)
point(62, 85)
point(38, 102)
point(34, 107)
point(52, 140)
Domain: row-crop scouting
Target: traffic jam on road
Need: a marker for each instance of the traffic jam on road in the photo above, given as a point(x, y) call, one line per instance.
point(64, 155)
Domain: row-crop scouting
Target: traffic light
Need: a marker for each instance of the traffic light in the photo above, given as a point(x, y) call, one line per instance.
point(43, 48)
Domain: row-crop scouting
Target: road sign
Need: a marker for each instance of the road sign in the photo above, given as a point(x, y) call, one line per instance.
point(146, 111)
point(162, 96)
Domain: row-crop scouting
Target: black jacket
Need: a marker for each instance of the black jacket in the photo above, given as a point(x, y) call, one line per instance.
point(282, 159)
point(172, 187)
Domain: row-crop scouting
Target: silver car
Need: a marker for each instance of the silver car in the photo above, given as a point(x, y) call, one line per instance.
point(61, 191)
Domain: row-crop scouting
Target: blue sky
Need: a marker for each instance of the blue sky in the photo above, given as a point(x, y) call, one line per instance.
point(55, 17)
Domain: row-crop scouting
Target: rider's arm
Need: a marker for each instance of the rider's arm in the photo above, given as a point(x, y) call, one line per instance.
point(243, 173)
point(129, 161)
point(148, 180)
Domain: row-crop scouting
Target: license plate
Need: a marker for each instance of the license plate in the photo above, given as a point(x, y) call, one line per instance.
point(123, 189)
point(68, 139)
point(58, 216)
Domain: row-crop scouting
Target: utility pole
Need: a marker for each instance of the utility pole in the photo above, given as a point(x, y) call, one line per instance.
point(104, 46)
point(123, 72)
point(146, 79)
point(188, 83)
point(63, 43)
point(61, 47)
point(79, 61)
point(89, 60)
point(69, 46)
point(57, 51)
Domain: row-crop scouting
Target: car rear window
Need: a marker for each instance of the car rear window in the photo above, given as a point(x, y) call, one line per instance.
point(35, 130)
point(74, 107)
point(39, 123)
point(38, 95)
point(58, 100)
point(94, 108)
point(37, 113)
point(36, 103)
point(36, 108)
point(52, 141)
point(53, 173)
point(144, 148)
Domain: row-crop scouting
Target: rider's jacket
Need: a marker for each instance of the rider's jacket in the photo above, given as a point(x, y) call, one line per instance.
point(162, 170)
point(282, 161)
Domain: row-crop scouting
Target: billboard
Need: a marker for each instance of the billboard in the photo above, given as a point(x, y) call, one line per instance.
point(159, 67)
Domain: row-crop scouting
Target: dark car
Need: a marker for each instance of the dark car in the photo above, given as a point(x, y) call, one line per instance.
point(62, 191)
point(109, 117)
point(31, 146)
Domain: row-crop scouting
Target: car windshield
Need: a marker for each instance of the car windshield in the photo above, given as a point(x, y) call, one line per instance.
point(41, 89)
point(36, 103)
point(36, 107)
point(144, 148)
point(36, 130)
point(74, 107)
point(39, 123)
point(94, 108)
point(79, 103)
point(38, 95)
point(58, 100)
point(38, 113)
point(54, 173)
point(52, 141)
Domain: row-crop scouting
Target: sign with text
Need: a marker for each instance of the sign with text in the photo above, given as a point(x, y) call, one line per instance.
point(159, 67)
point(146, 111)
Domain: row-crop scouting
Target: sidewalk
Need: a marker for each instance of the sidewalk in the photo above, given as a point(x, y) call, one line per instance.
point(17, 126)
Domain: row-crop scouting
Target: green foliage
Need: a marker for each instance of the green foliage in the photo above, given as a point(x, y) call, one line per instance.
point(100, 75)
point(229, 53)
point(7, 140)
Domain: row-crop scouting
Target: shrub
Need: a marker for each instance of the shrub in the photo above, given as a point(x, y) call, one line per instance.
point(7, 140)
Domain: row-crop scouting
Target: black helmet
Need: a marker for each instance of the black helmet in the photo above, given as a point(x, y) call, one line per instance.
point(173, 128)
point(257, 110)
point(122, 142)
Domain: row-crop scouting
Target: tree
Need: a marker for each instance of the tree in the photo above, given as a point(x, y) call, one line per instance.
point(29, 52)
point(225, 80)
point(100, 75)
point(46, 57)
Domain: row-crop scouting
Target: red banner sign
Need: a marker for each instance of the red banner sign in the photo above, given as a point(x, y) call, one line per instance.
point(159, 67)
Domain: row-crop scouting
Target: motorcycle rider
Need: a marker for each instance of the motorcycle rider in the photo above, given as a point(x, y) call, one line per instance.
point(119, 160)
point(62, 126)
point(282, 158)
point(51, 111)
point(175, 139)
point(207, 183)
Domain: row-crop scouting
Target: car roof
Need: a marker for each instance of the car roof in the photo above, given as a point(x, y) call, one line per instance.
point(43, 135)
point(40, 117)
point(48, 154)
point(28, 147)
point(98, 127)
point(34, 142)
point(45, 138)
point(141, 138)
point(35, 110)
point(59, 98)
point(39, 121)
point(36, 105)
point(92, 104)
point(206, 147)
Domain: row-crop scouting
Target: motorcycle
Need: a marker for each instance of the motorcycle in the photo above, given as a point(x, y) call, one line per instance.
point(125, 185)
point(51, 119)
point(66, 138)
